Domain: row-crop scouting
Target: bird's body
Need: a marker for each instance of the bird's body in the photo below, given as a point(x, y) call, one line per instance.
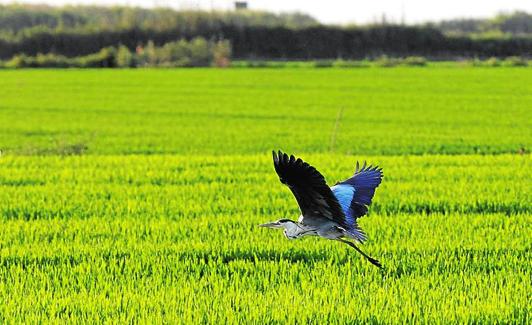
point(328, 229)
point(327, 212)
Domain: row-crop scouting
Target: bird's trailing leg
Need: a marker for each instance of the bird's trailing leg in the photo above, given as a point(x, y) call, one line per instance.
point(370, 259)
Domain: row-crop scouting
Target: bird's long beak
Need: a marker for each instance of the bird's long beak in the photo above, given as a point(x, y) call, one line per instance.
point(274, 224)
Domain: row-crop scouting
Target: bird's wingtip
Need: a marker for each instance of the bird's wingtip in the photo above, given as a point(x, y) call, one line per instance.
point(277, 155)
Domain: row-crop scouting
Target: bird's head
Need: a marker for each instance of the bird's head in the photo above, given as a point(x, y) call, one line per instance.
point(289, 226)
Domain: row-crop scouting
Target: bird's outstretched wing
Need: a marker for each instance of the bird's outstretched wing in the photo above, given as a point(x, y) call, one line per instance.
point(314, 197)
point(355, 194)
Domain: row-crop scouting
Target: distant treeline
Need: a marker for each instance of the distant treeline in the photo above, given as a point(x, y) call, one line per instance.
point(518, 23)
point(20, 20)
point(77, 31)
point(319, 42)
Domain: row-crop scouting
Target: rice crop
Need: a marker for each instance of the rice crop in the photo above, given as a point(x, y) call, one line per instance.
point(200, 111)
point(134, 196)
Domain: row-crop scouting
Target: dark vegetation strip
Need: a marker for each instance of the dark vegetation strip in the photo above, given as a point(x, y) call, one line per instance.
point(79, 31)
point(423, 209)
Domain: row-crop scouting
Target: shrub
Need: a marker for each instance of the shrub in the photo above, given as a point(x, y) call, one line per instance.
point(261, 64)
point(221, 52)
point(106, 58)
point(349, 64)
point(146, 56)
point(196, 53)
point(40, 61)
point(253, 64)
point(417, 61)
point(323, 64)
point(200, 54)
point(515, 61)
point(124, 58)
point(20, 61)
point(170, 54)
point(385, 61)
point(492, 62)
point(51, 61)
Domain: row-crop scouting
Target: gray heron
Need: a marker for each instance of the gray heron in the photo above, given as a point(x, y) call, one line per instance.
point(328, 212)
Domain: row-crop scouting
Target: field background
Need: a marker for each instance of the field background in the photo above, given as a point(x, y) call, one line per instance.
point(134, 195)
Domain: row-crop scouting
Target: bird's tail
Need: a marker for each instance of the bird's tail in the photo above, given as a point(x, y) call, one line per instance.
point(356, 233)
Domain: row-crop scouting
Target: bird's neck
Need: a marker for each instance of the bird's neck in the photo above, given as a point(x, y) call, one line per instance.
point(295, 230)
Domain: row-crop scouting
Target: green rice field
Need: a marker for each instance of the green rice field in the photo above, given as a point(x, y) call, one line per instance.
point(133, 196)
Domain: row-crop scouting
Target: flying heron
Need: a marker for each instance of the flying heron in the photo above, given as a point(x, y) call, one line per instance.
point(328, 212)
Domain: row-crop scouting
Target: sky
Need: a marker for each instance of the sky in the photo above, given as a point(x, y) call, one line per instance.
point(337, 11)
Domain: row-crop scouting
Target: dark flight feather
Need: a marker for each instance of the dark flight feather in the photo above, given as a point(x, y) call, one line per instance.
point(309, 187)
